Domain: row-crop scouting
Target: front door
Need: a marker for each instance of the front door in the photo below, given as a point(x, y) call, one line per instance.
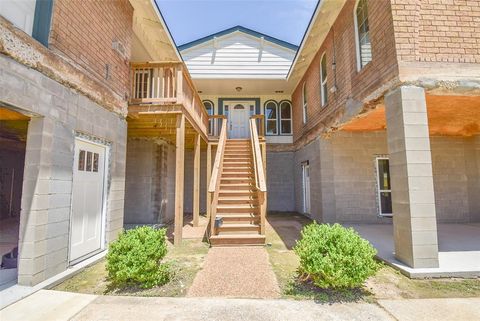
point(87, 199)
point(306, 187)
point(238, 121)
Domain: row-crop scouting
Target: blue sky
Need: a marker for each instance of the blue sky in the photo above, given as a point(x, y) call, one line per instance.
point(189, 20)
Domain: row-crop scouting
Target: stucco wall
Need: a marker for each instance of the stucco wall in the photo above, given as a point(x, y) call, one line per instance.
point(60, 113)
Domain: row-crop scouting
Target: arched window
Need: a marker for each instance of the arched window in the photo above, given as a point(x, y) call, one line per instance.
point(285, 117)
point(210, 111)
point(305, 103)
point(362, 33)
point(323, 80)
point(271, 117)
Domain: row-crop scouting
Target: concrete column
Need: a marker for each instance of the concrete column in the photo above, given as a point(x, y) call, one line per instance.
point(414, 217)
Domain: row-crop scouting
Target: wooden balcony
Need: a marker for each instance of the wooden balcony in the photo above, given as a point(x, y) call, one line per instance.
point(159, 92)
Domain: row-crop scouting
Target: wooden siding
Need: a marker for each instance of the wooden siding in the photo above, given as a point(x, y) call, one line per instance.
point(238, 55)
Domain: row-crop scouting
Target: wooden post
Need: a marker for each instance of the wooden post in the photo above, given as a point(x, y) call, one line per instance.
point(179, 178)
point(209, 176)
point(264, 161)
point(196, 180)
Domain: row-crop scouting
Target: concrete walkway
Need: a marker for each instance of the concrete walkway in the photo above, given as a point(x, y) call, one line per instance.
point(236, 272)
point(62, 306)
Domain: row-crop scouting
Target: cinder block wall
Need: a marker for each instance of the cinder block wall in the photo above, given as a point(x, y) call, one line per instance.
point(188, 186)
point(281, 181)
point(456, 176)
point(47, 185)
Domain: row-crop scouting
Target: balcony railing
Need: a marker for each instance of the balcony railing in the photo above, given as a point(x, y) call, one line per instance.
point(167, 83)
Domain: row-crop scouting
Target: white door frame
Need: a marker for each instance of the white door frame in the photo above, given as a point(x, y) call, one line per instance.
point(306, 187)
point(380, 191)
point(103, 219)
point(246, 104)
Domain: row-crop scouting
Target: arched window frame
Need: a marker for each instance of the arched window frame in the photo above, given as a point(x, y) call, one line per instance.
point(323, 81)
point(360, 65)
point(304, 102)
point(212, 123)
point(281, 119)
point(271, 120)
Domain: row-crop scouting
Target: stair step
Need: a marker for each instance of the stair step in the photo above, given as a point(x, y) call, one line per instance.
point(239, 200)
point(237, 208)
point(239, 217)
point(237, 174)
point(237, 239)
point(239, 227)
point(236, 192)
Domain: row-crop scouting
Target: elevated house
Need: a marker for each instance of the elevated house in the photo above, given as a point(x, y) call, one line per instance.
point(373, 121)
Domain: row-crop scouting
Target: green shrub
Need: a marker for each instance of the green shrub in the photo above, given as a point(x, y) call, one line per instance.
point(135, 258)
point(332, 256)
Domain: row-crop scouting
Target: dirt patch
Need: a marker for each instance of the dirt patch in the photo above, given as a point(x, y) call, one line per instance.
point(284, 229)
point(186, 260)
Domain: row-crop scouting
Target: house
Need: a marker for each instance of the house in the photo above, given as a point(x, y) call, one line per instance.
point(65, 86)
point(372, 121)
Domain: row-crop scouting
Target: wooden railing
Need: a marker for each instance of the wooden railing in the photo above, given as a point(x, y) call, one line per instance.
point(260, 125)
point(167, 83)
point(214, 186)
point(259, 166)
point(215, 124)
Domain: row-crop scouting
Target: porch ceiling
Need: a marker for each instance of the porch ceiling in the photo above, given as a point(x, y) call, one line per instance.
point(447, 116)
point(161, 125)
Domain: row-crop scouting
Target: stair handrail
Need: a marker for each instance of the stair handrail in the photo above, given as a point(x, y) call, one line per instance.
point(214, 185)
point(259, 173)
point(257, 157)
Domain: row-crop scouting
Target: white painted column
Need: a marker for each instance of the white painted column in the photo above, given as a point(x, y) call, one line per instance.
point(414, 217)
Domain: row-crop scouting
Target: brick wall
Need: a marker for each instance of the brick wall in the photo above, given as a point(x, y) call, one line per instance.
point(353, 87)
point(83, 31)
point(437, 30)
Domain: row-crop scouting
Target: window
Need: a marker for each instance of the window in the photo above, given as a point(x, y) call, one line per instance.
point(285, 118)
point(323, 80)
point(304, 99)
point(271, 117)
point(209, 108)
point(384, 188)
point(362, 30)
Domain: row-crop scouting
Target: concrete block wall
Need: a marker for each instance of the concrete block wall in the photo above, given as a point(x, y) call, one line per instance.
point(188, 186)
point(346, 177)
point(59, 113)
point(281, 181)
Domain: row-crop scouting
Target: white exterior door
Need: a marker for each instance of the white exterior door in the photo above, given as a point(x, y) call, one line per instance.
point(87, 199)
point(238, 121)
point(306, 187)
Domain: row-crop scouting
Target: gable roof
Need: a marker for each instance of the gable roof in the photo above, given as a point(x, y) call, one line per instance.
point(241, 29)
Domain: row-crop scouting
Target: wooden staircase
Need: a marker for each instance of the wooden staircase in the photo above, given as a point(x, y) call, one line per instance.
point(238, 192)
point(238, 207)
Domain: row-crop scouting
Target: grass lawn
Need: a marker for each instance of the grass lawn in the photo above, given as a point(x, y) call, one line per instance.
point(282, 232)
point(186, 260)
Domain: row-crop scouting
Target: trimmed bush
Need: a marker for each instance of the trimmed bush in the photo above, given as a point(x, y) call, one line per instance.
point(135, 258)
point(332, 256)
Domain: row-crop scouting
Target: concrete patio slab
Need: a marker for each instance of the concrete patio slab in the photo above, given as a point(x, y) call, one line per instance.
point(47, 305)
point(459, 249)
point(135, 309)
point(433, 309)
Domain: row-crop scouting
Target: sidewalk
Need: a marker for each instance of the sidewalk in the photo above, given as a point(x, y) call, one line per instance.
point(54, 305)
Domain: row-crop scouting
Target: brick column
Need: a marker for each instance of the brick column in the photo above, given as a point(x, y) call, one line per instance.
point(414, 217)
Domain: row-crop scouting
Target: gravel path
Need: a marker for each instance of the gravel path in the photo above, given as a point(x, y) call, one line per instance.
point(239, 272)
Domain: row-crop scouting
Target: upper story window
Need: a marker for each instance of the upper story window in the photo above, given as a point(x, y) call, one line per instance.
point(305, 102)
point(362, 31)
point(31, 16)
point(209, 108)
point(285, 118)
point(271, 117)
point(323, 80)
point(278, 117)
